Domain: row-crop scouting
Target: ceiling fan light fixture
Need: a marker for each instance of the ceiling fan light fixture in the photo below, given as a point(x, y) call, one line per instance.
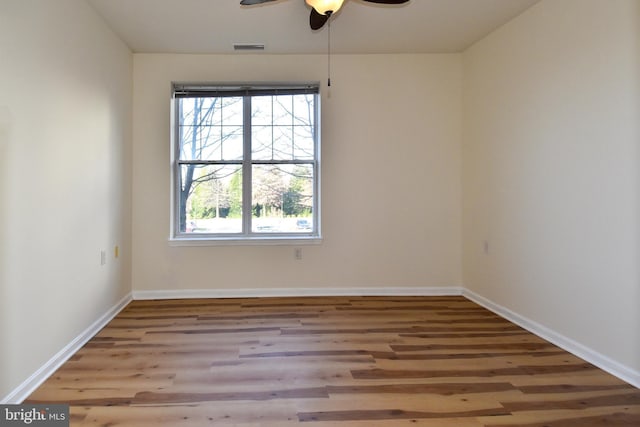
point(325, 7)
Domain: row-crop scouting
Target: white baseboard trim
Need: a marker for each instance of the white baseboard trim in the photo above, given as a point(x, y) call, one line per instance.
point(23, 391)
point(298, 292)
point(603, 362)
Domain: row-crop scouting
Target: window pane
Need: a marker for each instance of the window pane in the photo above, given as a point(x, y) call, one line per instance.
point(282, 199)
point(283, 110)
point(199, 111)
point(304, 126)
point(261, 112)
point(210, 199)
point(261, 142)
point(303, 146)
point(202, 142)
point(232, 141)
point(198, 128)
point(211, 143)
point(304, 109)
point(232, 111)
point(283, 143)
point(272, 143)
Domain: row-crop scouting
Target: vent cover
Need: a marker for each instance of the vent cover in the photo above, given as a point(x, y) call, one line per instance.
point(248, 46)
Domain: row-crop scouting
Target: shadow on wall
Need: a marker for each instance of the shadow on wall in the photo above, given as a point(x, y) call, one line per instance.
point(5, 128)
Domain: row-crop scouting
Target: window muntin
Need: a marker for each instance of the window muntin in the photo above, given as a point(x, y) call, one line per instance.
point(246, 162)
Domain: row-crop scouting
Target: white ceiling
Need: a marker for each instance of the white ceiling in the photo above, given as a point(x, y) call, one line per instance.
point(213, 26)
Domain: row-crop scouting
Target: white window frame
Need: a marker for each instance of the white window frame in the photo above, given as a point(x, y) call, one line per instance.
point(247, 236)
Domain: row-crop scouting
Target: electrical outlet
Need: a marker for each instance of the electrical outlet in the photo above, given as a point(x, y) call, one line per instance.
point(297, 253)
point(103, 257)
point(485, 247)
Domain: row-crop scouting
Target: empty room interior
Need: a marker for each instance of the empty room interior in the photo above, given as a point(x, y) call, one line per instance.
point(465, 253)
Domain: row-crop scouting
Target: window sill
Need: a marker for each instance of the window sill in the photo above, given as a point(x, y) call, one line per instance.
point(245, 241)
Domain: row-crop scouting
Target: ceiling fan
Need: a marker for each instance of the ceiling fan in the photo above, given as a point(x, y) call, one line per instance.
point(321, 10)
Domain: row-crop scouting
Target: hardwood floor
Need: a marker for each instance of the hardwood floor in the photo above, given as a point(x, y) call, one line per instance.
point(340, 361)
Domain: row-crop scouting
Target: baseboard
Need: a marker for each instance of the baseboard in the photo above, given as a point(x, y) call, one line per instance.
point(297, 292)
point(603, 362)
point(37, 378)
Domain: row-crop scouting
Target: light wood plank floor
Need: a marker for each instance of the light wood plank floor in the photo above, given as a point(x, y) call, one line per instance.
point(340, 361)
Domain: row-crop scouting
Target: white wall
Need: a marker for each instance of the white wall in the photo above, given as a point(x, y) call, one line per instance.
point(390, 175)
point(551, 166)
point(65, 107)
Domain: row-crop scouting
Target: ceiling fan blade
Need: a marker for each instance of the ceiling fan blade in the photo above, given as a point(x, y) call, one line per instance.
point(387, 1)
point(317, 20)
point(252, 2)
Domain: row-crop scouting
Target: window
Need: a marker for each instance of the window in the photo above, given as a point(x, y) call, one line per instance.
point(246, 162)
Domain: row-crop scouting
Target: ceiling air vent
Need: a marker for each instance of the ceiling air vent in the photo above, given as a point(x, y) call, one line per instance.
point(248, 46)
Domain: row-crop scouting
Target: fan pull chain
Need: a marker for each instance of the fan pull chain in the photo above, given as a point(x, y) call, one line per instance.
point(329, 52)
